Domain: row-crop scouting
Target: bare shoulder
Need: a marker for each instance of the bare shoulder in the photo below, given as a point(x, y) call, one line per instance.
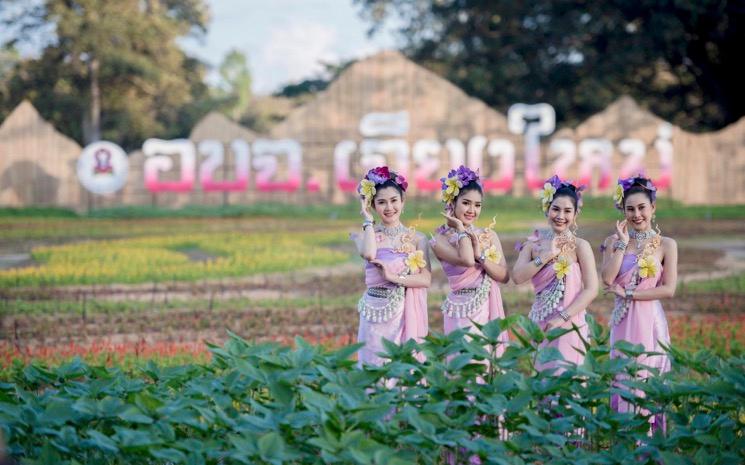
point(583, 245)
point(668, 243)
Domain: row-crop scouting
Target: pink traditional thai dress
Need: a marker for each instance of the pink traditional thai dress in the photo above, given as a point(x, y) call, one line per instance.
point(387, 310)
point(554, 294)
point(473, 297)
point(641, 322)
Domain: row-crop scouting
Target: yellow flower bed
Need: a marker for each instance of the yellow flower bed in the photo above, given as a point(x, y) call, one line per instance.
point(160, 258)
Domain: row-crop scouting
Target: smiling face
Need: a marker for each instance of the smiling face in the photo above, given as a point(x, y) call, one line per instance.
point(468, 206)
point(561, 214)
point(388, 203)
point(639, 209)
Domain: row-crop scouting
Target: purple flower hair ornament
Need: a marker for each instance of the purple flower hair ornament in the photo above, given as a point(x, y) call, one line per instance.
point(553, 184)
point(376, 176)
point(455, 180)
point(624, 185)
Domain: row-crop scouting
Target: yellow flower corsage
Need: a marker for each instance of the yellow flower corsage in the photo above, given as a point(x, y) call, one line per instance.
point(415, 261)
point(367, 189)
point(492, 255)
point(647, 267)
point(547, 195)
point(561, 267)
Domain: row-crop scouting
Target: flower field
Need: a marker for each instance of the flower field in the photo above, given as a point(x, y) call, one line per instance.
point(165, 258)
point(173, 340)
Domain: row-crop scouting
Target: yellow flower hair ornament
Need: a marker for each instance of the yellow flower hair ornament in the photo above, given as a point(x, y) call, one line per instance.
point(367, 190)
point(379, 175)
point(451, 184)
point(552, 185)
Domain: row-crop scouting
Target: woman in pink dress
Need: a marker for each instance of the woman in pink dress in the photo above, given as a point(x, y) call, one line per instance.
point(471, 257)
point(562, 269)
point(639, 267)
point(397, 270)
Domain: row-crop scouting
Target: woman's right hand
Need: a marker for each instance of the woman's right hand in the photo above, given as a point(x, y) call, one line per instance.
point(553, 249)
point(454, 222)
point(365, 209)
point(622, 231)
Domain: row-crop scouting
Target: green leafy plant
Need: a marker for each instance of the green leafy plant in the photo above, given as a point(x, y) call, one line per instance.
point(270, 404)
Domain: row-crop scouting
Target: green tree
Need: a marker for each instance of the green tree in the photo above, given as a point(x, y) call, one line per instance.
point(110, 69)
point(680, 59)
point(8, 60)
point(236, 78)
point(311, 86)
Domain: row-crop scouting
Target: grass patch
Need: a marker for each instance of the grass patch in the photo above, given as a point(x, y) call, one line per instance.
point(729, 284)
point(37, 212)
point(525, 208)
point(110, 307)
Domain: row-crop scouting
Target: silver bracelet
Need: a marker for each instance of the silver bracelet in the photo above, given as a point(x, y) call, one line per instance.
point(564, 315)
point(619, 245)
point(537, 261)
point(460, 236)
point(367, 223)
point(630, 293)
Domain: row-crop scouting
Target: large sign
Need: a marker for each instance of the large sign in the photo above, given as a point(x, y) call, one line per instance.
point(276, 165)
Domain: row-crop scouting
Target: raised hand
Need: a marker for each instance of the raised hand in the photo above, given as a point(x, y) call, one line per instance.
point(554, 248)
point(475, 243)
point(454, 222)
point(365, 209)
point(622, 230)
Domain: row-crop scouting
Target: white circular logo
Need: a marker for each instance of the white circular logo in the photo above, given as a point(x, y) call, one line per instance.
point(103, 167)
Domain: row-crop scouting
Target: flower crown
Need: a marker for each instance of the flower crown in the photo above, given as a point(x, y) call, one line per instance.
point(455, 180)
point(625, 184)
point(377, 176)
point(553, 184)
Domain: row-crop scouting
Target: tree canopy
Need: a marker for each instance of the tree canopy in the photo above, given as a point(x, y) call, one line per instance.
point(679, 59)
point(109, 69)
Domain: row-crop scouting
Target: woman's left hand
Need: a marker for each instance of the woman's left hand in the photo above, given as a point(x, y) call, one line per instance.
point(475, 244)
point(555, 323)
point(616, 289)
point(388, 274)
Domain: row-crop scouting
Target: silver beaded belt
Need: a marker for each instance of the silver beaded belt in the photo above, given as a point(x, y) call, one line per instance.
point(466, 290)
point(379, 292)
point(476, 298)
point(391, 306)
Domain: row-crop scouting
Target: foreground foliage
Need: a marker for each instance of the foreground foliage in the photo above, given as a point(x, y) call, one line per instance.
point(272, 404)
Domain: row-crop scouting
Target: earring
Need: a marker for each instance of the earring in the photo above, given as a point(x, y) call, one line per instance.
point(574, 227)
point(656, 226)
